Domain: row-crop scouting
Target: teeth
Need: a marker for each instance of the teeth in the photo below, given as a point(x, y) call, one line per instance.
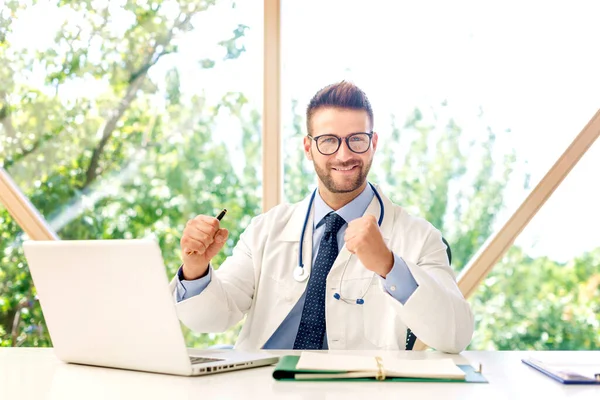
point(346, 169)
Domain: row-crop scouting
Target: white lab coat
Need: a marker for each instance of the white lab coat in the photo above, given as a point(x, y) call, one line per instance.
point(257, 281)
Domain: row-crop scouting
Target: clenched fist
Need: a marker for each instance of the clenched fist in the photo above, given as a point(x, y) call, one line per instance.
point(202, 239)
point(364, 239)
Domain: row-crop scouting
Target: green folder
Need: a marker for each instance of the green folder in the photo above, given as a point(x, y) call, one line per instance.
point(285, 370)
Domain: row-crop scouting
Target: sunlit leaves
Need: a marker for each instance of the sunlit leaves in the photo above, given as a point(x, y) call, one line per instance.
point(539, 304)
point(157, 166)
point(231, 45)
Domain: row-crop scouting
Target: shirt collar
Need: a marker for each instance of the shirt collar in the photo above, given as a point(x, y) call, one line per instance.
point(351, 211)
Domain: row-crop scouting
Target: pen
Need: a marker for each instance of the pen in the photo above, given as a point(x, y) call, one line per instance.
point(219, 217)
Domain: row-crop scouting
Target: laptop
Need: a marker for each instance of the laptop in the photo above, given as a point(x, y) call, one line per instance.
point(107, 303)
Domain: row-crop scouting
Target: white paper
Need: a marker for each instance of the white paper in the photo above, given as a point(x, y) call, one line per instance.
point(444, 368)
point(330, 362)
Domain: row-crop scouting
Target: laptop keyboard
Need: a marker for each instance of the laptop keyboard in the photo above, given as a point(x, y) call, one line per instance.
point(202, 360)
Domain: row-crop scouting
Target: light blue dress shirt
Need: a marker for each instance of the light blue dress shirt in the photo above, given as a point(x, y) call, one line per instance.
point(399, 282)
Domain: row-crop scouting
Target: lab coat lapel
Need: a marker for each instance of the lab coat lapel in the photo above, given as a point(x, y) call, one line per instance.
point(292, 230)
point(288, 237)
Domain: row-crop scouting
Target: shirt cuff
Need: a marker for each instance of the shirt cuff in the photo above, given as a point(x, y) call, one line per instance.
point(399, 282)
point(187, 289)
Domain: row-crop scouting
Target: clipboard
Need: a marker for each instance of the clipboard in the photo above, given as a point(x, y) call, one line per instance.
point(562, 374)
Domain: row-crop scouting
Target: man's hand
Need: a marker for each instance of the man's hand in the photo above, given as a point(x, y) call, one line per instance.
point(364, 239)
point(202, 239)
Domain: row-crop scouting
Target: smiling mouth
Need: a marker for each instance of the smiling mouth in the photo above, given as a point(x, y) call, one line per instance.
point(345, 169)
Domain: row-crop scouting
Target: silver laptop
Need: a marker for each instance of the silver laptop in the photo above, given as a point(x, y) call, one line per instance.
point(107, 303)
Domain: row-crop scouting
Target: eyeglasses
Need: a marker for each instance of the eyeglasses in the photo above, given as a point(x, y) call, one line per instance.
point(329, 144)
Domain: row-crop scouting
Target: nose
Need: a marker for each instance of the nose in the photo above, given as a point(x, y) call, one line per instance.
point(343, 153)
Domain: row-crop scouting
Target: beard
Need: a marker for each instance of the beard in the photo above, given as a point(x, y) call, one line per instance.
point(349, 184)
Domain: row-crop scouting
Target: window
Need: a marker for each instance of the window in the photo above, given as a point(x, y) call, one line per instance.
point(124, 120)
point(472, 103)
point(544, 292)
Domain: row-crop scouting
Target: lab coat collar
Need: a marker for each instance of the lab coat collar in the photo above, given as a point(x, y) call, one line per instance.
point(355, 209)
point(388, 218)
point(291, 231)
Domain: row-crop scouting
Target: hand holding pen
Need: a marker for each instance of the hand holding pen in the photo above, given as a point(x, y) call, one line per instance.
point(202, 239)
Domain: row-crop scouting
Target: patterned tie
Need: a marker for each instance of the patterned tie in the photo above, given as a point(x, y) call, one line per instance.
point(312, 323)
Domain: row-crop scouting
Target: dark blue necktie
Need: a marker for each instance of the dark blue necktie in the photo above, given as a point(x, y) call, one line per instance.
point(312, 323)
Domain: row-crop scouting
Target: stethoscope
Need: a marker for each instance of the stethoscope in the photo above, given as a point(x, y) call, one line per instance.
point(300, 274)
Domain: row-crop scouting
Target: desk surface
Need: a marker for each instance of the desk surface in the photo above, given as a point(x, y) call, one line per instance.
point(32, 373)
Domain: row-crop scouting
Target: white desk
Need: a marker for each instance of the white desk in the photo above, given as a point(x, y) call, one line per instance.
point(30, 373)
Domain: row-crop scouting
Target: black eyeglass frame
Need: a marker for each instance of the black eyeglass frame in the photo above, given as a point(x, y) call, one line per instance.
point(346, 139)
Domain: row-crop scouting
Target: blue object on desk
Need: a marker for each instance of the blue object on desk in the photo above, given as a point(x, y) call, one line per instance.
point(564, 376)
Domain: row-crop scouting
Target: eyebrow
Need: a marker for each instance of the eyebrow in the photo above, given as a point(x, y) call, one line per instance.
point(333, 134)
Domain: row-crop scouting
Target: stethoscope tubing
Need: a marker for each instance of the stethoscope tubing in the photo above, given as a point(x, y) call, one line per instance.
point(310, 204)
point(300, 273)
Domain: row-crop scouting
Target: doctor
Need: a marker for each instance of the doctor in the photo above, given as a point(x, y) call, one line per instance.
point(343, 269)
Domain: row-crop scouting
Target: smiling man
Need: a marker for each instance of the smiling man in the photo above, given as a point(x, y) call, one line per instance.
point(343, 269)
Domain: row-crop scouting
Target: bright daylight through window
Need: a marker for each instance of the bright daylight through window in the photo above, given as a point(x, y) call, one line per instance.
point(123, 120)
point(472, 109)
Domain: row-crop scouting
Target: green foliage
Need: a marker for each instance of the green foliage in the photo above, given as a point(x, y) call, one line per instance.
point(234, 51)
point(431, 169)
point(17, 295)
point(113, 165)
point(538, 304)
point(298, 180)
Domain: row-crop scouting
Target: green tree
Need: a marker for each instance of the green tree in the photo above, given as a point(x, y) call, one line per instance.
point(429, 169)
point(113, 165)
point(539, 304)
point(298, 180)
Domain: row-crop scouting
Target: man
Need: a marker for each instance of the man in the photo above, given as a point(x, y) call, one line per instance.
point(367, 282)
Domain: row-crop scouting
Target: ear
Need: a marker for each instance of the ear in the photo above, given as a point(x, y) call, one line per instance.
point(307, 144)
point(375, 140)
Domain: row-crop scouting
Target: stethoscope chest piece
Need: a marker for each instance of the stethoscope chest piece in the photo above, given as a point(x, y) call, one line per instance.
point(300, 274)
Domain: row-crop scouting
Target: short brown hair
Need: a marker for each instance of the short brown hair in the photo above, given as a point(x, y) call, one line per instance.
point(339, 95)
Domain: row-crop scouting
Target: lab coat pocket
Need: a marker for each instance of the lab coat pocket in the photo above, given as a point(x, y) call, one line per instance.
point(276, 300)
point(281, 291)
